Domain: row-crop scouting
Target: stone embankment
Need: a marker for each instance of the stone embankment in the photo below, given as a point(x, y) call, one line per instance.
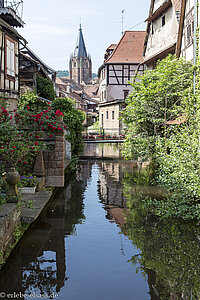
point(16, 219)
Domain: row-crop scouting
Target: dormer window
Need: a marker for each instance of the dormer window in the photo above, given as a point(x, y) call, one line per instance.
point(10, 57)
point(163, 21)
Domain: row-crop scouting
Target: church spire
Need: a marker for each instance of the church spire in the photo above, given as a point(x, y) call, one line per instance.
point(80, 64)
point(80, 50)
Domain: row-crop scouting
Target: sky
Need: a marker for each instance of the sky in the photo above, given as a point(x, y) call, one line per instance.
point(51, 27)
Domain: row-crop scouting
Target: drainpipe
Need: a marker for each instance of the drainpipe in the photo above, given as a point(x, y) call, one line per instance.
point(195, 43)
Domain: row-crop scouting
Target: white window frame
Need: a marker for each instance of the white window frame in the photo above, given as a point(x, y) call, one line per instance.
point(10, 57)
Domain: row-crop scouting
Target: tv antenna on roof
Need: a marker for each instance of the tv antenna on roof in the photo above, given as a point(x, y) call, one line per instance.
point(14, 4)
point(122, 21)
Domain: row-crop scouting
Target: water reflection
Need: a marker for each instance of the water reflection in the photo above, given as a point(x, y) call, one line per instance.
point(73, 247)
point(38, 264)
point(102, 150)
point(169, 248)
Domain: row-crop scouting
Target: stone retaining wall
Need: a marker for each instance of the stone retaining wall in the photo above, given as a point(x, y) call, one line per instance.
point(9, 220)
point(54, 163)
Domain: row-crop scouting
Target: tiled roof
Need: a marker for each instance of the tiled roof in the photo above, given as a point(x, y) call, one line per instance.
point(92, 90)
point(76, 91)
point(129, 49)
point(73, 84)
point(59, 80)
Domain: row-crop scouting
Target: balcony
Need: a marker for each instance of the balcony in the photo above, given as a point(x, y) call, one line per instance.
point(9, 12)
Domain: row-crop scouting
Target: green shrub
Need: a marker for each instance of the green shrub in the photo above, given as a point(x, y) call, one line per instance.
point(45, 88)
point(73, 118)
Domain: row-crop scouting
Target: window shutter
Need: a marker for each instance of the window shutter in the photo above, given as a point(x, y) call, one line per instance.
point(10, 54)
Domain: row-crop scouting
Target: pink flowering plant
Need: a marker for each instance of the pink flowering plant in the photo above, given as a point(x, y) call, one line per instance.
point(24, 131)
point(42, 118)
point(16, 146)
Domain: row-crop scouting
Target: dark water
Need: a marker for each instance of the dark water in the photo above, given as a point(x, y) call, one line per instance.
point(87, 245)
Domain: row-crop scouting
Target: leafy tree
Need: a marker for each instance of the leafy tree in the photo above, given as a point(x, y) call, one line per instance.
point(160, 95)
point(74, 121)
point(45, 88)
point(165, 94)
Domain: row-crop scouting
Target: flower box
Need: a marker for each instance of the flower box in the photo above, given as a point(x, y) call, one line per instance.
point(27, 190)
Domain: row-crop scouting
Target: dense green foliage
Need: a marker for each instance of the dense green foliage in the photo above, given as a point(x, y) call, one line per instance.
point(169, 248)
point(72, 117)
point(32, 101)
point(74, 120)
point(17, 146)
point(160, 95)
point(45, 88)
point(179, 172)
point(165, 94)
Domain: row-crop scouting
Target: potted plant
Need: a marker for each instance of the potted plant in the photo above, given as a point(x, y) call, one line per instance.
point(27, 184)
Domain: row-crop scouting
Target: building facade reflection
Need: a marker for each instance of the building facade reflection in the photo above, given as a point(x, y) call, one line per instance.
point(39, 262)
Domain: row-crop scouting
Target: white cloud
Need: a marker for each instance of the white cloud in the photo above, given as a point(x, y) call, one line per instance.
point(36, 29)
point(81, 9)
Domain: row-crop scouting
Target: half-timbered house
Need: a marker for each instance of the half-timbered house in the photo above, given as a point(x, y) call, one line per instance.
point(162, 30)
point(185, 44)
point(121, 63)
point(32, 66)
point(10, 41)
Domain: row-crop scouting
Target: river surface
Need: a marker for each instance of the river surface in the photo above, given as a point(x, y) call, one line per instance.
point(87, 245)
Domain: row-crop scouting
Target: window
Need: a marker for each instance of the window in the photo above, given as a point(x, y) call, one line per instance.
point(189, 34)
point(192, 26)
point(163, 21)
point(10, 57)
point(74, 64)
point(113, 115)
point(102, 94)
point(107, 115)
point(102, 119)
point(126, 94)
point(152, 29)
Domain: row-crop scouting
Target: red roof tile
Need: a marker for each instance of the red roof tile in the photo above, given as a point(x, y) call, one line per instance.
point(129, 49)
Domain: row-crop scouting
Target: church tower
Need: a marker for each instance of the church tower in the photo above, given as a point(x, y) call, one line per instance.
point(80, 64)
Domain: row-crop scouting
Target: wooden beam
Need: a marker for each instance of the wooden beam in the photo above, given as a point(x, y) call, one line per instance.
point(180, 29)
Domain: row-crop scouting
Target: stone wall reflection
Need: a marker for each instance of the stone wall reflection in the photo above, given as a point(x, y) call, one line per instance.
point(102, 150)
point(39, 262)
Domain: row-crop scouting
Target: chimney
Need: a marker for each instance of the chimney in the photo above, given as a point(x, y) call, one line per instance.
point(68, 88)
point(1, 3)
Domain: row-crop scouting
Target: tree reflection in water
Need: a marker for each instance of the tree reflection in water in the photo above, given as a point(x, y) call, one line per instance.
point(169, 248)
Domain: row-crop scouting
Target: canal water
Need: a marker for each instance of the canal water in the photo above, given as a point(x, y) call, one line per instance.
point(93, 242)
